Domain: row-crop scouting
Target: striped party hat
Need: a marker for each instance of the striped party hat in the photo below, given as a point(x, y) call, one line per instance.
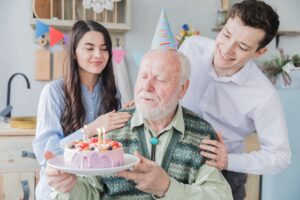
point(163, 37)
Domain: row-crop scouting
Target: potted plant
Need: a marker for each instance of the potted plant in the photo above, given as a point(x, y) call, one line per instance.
point(274, 67)
point(296, 60)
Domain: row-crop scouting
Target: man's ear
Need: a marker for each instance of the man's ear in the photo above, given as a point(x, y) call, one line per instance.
point(183, 88)
point(260, 52)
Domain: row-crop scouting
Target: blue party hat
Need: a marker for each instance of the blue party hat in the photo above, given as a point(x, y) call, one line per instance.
point(163, 36)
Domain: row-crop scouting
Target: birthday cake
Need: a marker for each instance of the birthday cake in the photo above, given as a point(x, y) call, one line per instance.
point(92, 154)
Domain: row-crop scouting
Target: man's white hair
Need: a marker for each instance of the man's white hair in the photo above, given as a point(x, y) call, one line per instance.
point(185, 68)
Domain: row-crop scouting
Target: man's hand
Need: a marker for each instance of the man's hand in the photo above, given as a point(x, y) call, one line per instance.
point(62, 182)
point(215, 151)
point(148, 176)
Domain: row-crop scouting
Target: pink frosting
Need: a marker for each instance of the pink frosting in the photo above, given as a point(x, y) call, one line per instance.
point(93, 159)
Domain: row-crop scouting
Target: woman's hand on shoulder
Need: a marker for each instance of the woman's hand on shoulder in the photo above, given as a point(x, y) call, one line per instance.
point(109, 121)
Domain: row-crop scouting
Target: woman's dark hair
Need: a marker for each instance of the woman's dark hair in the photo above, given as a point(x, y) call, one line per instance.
point(257, 14)
point(74, 113)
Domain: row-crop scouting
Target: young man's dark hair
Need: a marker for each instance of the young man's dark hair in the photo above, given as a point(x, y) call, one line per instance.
point(257, 14)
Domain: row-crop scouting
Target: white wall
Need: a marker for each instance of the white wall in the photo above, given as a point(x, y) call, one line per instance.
point(145, 14)
point(17, 55)
point(289, 13)
point(18, 43)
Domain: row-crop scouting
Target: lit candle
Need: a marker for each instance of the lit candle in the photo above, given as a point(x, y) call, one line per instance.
point(83, 134)
point(104, 135)
point(99, 135)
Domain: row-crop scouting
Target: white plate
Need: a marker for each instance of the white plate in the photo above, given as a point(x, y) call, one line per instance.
point(58, 163)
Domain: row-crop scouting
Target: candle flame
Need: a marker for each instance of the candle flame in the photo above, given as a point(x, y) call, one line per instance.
point(98, 130)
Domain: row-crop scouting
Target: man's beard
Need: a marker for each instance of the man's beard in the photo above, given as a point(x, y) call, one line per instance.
point(157, 113)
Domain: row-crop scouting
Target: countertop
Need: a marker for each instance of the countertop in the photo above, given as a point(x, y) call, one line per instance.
point(6, 130)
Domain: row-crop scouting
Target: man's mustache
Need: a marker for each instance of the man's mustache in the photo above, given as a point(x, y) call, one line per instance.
point(148, 95)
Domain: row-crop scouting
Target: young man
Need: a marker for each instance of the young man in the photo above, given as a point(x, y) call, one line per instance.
point(173, 170)
point(229, 91)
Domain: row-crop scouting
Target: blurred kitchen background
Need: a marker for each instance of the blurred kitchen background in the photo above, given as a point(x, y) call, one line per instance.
point(18, 43)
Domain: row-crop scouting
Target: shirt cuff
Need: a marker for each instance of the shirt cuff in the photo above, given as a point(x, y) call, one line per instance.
point(175, 191)
point(233, 161)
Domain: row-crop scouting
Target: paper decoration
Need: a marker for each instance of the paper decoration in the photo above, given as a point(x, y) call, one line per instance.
point(185, 32)
point(118, 55)
point(122, 76)
point(99, 5)
point(66, 39)
point(55, 36)
point(40, 29)
point(163, 36)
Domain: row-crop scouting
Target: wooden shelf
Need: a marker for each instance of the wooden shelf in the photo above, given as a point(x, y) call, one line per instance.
point(65, 25)
point(217, 29)
point(6, 130)
point(285, 33)
point(63, 14)
point(289, 33)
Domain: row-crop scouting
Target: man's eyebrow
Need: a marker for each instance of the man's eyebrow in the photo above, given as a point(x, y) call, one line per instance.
point(226, 30)
point(247, 45)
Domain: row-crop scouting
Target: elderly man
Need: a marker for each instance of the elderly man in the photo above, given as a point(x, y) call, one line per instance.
point(159, 125)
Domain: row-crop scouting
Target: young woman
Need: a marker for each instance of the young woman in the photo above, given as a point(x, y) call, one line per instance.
point(86, 95)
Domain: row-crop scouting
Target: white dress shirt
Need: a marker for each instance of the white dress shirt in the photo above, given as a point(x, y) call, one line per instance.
point(237, 106)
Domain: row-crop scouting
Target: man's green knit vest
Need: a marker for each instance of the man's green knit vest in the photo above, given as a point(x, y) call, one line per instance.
point(182, 159)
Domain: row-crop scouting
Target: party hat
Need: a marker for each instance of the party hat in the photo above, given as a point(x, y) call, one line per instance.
point(163, 37)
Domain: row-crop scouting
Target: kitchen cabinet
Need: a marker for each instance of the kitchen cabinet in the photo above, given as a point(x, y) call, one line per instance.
point(253, 181)
point(19, 169)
